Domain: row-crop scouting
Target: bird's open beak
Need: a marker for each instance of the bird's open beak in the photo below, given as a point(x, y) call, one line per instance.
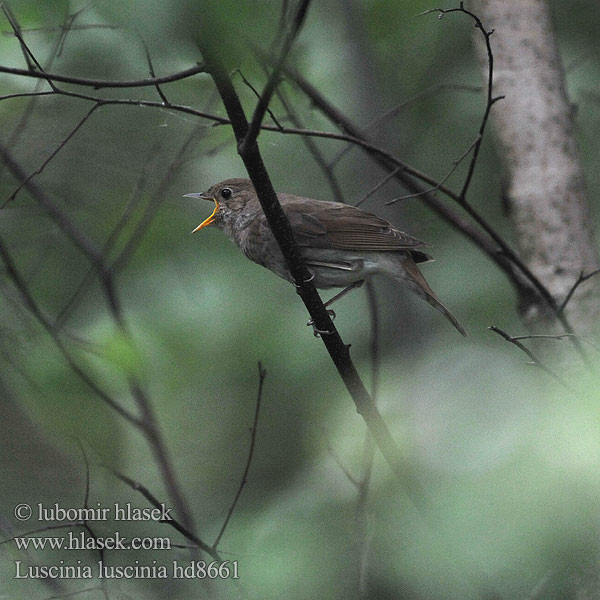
point(210, 219)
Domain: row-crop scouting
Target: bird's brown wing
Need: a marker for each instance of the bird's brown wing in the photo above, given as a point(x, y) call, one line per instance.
point(334, 225)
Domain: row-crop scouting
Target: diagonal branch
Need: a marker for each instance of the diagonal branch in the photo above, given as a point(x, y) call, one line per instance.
point(338, 351)
point(32, 306)
point(16, 29)
point(62, 144)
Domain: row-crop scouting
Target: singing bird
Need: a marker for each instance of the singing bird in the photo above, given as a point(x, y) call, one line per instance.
point(342, 245)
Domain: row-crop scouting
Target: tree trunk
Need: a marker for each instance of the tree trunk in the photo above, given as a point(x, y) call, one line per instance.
point(545, 183)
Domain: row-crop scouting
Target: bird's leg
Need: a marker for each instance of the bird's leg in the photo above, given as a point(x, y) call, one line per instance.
point(331, 313)
point(351, 287)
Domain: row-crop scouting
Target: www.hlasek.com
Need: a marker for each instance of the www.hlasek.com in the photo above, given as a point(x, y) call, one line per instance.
point(81, 541)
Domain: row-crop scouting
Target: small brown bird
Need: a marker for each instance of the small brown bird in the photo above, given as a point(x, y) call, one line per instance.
point(342, 245)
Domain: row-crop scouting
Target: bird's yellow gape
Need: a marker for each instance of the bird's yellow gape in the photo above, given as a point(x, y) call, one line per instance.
point(210, 219)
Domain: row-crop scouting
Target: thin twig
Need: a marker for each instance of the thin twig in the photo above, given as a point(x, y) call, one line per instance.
point(151, 429)
point(262, 373)
point(60, 146)
point(534, 359)
point(36, 532)
point(248, 84)
point(85, 524)
point(337, 459)
point(312, 148)
point(281, 24)
point(26, 115)
point(110, 242)
point(76, 593)
point(433, 190)
point(59, 216)
point(16, 30)
point(157, 198)
point(556, 336)
point(395, 110)
point(579, 281)
point(431, 90)
point(31, 305)
point(174, 523)
point(27, 95)
point(259, 112)
point(378, 186)
point(491, 99)
point(147, 422)
point(151, 71)
point(61, 27)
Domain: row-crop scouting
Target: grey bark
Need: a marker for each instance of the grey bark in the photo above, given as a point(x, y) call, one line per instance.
point(545, 182)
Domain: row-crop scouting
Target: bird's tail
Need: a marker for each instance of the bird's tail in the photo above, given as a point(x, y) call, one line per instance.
point(419, 286)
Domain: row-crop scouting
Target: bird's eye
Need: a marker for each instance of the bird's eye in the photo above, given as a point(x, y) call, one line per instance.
point(226, 193)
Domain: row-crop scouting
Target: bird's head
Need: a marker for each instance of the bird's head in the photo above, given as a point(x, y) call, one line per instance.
point(231, 197)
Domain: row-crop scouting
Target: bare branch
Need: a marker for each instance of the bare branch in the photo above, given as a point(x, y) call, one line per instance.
point(174, 523)
point(151, 429)
point(579, 281)
point(364, 532)
point(491, 100)
point(62, 144)
point(337, 459)
point(31, 532)
point(256, 93)
point(262, 373)
point(534, 359)
point(109, 244)
point(435, 189)
point(396, 110)
point(378, 186)
point(136, 237)
point(497, 249)
point(27, 95)
point(24, 119)
point(29, 58)
point(151, 70)
point(61, 27)
point(57, 215)
point(106, 83)
point(556, 336)
point(273, 81)
point(147, 421)
point(31, 305)
point(312, 148)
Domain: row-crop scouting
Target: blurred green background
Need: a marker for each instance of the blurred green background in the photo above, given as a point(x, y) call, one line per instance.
point(510, 462)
